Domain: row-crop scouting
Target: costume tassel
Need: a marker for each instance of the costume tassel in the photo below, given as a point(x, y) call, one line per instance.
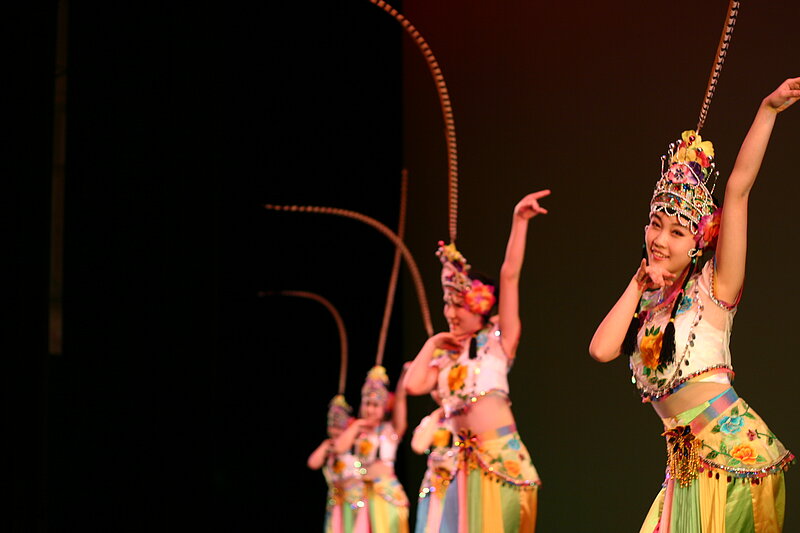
point(667, 355)
point(631, 338)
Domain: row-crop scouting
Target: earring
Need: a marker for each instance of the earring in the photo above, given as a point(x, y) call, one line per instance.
point(695, 252)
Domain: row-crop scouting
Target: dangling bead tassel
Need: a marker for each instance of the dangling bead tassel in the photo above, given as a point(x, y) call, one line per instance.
point(667, 355)
point(629, 342)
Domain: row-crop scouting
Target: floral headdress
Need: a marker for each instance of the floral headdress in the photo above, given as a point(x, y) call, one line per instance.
point(682, 189)
point(339, 412)
point(682, 192)
point(458, 287)
point(376, 385)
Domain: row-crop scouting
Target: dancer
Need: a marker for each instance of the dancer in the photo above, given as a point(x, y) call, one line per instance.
point(434, 437)
point(346, 511)
point(374, 441)
point(495, 488)
point(725, 467)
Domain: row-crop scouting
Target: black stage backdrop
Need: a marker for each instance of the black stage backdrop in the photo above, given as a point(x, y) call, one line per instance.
point(183, 399)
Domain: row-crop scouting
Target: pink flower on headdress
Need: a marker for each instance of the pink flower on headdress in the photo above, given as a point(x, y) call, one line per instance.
point(708, 230)
point(480, 299)
point(683, 173)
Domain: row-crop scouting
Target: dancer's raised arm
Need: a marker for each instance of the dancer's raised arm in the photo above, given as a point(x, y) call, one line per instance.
point(732, 247)
point(508, 306)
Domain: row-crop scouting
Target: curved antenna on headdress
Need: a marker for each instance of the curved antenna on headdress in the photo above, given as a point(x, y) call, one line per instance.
point(392, 236)
point(401, 231)
point(716, 69)
point(447, 113)
point(339, 324)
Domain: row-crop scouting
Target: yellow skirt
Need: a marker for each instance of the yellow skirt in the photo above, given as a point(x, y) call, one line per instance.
point(724, 472)
point(388, 505)
point(495, 488)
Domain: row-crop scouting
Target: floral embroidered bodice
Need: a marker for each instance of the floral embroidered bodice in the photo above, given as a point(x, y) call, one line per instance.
point(442, 457)
point(379, 444)
point(340, 468)
point(463, 381)
point(702, 334)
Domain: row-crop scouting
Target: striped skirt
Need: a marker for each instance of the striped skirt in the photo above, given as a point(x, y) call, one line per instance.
point(346, 511)
point(724, 473)
point(388, 505)
point(495, 488)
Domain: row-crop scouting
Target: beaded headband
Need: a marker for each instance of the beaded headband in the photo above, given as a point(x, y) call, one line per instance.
point(376, 386)
point(458, 287)
point(339, 412)
point(682, 191)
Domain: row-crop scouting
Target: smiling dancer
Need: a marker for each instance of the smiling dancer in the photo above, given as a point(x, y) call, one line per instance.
point(725, 467)
point(495, 488)
point(373, 439)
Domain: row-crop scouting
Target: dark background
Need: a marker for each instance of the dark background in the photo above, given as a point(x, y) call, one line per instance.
point(182, 399)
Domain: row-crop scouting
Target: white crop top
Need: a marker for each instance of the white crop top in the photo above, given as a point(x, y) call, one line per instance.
point(340, 468)
point(463, 381)
point(379, 444)
point(703, 327)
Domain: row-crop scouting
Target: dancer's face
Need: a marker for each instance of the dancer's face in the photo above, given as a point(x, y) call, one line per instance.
point(461, 320)
point(372, 410)
point(668, 243)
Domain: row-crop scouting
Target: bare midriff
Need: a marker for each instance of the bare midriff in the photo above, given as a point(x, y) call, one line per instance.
point(488, 413)
point(691, 395)
point(379, 469)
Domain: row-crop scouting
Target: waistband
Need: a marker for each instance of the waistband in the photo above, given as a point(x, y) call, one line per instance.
point(499, 432)
point(492, 434)
point(700, 416)
point(694, 377)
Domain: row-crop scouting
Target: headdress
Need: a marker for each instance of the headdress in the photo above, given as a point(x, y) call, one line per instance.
point(339, 412)
point(376, 385)
point(458, 287)
point(682, 191)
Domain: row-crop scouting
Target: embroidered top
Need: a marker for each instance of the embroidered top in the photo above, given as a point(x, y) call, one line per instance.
point(442, 458)
point(463, 381)
point(380, 444)
point(340, 468)
point(703, 326)
point(343, 475)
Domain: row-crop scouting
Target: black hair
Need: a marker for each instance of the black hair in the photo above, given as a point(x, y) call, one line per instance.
point(629, 342)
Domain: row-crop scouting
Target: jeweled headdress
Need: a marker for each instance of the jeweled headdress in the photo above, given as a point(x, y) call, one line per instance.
point(376, 385)
point(339, 412)
point(682, 190)
point(458, 287)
